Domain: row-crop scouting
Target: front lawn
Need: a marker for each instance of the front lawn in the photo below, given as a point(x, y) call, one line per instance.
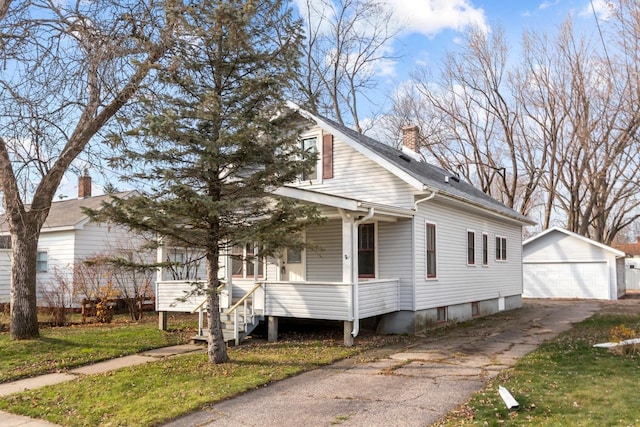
point(564, 382)
point(156, 392)
point(68, 347)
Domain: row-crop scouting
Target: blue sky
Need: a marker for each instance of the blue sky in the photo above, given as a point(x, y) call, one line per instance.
point(433, 26)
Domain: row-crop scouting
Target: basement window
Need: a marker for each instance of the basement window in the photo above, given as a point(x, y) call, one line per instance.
point(442, 314)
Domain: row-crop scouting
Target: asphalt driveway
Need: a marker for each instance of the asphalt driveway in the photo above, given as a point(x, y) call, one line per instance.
point(408, 386)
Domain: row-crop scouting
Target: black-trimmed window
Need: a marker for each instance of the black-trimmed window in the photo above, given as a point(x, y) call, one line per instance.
point(431, 251)
point(366, 251)
point(471, 248)
point(501, 248)
point(485, 249)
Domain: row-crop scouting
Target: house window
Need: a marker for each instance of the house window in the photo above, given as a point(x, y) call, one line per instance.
point(475, 309)
point(442, 314)
point(5, 242)
point(42, 261)
point(310, 150)
point(501, 248)
point(366, 250)
point(471, 248)
point(485, 249)
point(242, 262)
point(431, 251)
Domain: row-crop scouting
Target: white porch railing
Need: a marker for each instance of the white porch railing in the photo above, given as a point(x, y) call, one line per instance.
point(304, 300)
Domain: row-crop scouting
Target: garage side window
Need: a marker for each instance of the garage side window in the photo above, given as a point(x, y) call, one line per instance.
point(501, 248)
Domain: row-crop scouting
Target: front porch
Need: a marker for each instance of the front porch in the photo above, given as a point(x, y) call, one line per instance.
point(322, 284)
point(301, 300)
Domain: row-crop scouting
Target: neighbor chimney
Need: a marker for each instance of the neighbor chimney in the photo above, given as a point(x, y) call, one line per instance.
point(84, 185)
point(410, 137)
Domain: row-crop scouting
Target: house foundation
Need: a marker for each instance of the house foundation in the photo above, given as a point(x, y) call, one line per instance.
point(420, 322)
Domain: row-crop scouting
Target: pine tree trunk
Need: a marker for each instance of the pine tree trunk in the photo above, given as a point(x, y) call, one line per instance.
point(24, 313)
point(217, 348)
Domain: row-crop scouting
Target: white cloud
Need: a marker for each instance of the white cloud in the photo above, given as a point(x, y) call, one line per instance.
point(430, 17)
point(547, 4)
point(603, 9)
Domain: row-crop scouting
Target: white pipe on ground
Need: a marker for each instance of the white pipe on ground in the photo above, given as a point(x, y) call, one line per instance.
point(512, 404)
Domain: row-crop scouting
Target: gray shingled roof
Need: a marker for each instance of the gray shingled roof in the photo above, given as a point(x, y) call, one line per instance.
point(67, 213)
point(428, 174)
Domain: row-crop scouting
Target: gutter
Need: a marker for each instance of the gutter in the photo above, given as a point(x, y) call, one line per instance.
point(424, 199)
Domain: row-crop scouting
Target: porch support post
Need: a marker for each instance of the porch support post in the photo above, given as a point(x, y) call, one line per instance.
point(272, 328)
point(228, 273)
point(348, 336)
point(160, 258)
point(162, 320)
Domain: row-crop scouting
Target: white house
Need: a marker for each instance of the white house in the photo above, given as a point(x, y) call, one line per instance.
point(406, 244)
point(67, 237)
point(560, 264)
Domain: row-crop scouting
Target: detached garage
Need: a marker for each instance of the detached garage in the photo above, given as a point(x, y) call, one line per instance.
point(560, 264)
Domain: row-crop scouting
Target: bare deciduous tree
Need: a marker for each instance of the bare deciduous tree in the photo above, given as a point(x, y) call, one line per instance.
point(559, 127)
point(346, 43)
point(67, 68)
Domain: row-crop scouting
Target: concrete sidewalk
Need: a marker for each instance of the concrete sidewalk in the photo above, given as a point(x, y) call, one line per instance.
point(7, 419)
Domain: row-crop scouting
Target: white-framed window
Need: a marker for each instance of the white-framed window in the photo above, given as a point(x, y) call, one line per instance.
point(309, 147)
point(471, 247)
point(432, 264)
point(485, 249)
point(42, 261)
point(475, 309)
point(442, 315)
point(367, 250)
point(501, 248)
point(243, 263)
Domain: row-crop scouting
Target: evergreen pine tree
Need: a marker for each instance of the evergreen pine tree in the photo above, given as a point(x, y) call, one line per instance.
point(211, 141)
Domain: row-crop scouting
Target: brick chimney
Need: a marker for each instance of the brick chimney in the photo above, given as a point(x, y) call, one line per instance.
point(410, 137)
point(84, 185)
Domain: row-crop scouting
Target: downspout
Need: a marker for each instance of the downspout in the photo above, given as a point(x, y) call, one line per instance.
point(424, 199)
point(356, 311)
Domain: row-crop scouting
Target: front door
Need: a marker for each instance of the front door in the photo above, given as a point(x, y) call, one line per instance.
point(294, 265)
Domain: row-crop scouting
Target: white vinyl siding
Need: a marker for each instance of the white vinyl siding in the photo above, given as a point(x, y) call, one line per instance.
point(324, 263)
point(308, 300)
point(395, 257)
point(455, 285)
point(5, 275)
point(356, 176)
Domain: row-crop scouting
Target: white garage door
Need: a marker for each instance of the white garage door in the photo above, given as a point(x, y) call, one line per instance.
point(566, 280)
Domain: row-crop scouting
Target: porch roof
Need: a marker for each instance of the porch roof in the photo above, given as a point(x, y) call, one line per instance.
point(341, 202)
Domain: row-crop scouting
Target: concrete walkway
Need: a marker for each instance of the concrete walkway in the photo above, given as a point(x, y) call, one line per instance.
point(408, 386)
point(11, 420)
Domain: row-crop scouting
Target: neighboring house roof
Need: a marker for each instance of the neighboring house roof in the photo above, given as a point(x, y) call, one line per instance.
point(632, 249)
point(616, 252)
point(66, 214)
point(422, 175)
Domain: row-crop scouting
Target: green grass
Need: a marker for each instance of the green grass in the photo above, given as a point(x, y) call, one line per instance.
point(159, 391)
point(564, 382)
point(62, 348)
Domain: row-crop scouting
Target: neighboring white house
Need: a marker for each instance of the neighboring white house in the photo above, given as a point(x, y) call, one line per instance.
point(405, 244)
point(68, 237)
point(632, 264)
point(560, 264)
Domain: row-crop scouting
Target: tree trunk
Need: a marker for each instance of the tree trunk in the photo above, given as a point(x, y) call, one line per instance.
point(24, 313)
point(217, 348)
